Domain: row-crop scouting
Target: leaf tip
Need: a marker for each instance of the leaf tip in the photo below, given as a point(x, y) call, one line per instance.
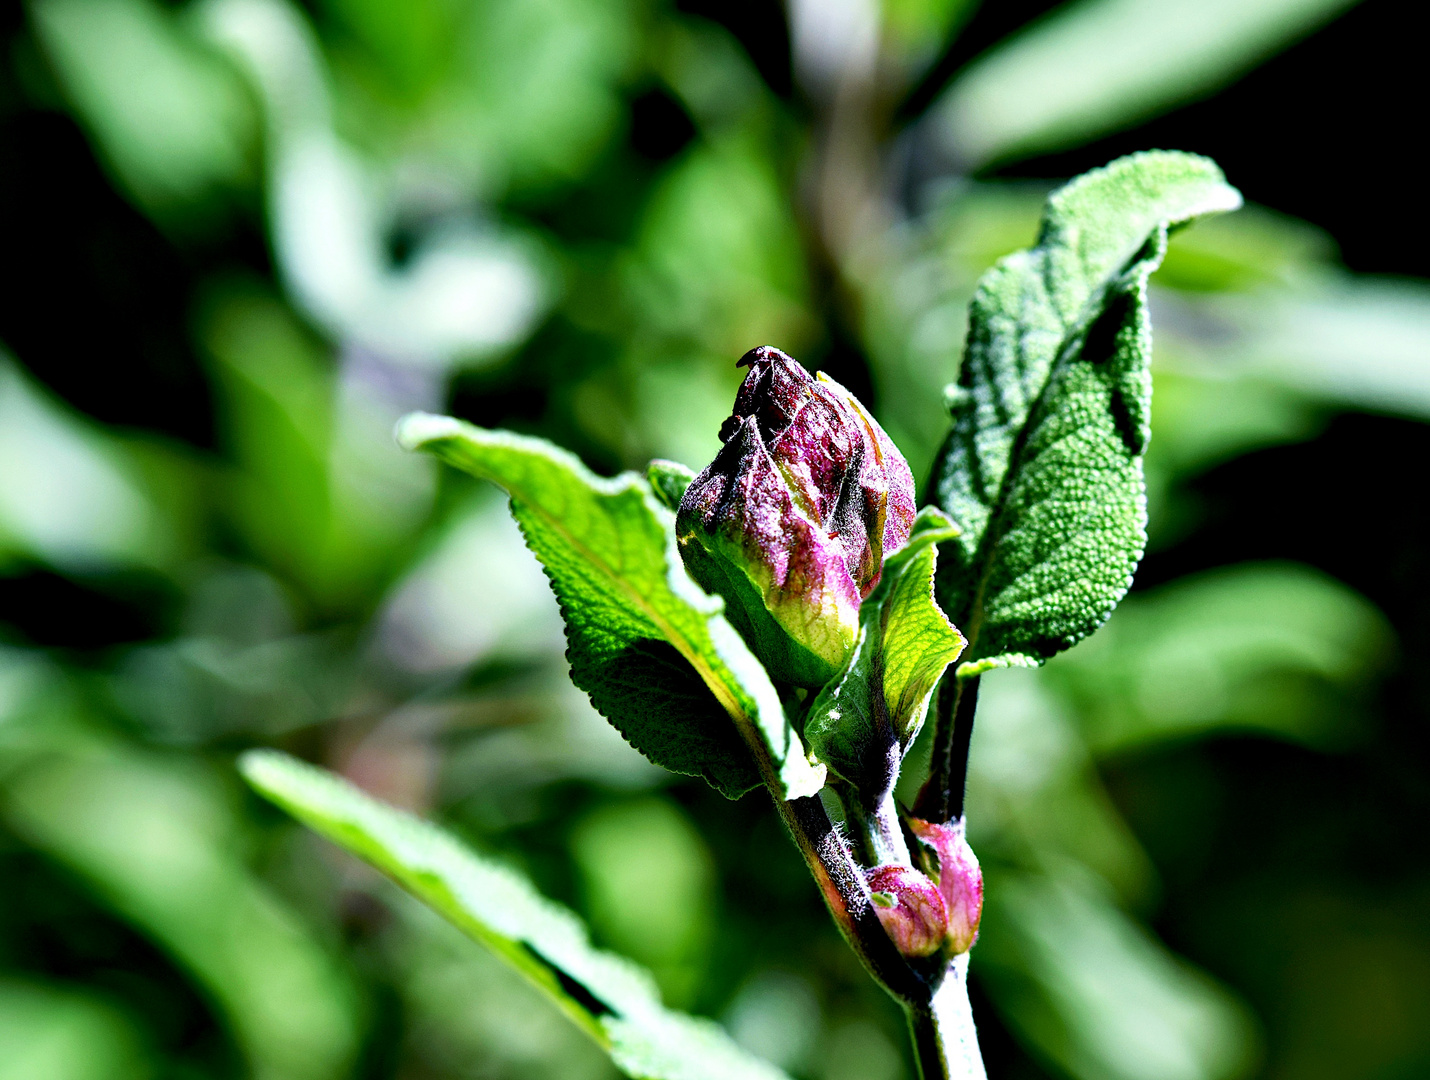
point(934, 525)
point(1217, 196)
point(417, 429)
point(668, 480)
point(969, 668)
point(263, 769)
point(1180, 186)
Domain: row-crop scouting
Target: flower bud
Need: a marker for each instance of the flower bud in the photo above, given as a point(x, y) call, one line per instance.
point(910, 908)
point(791, 521)
point(960, 880)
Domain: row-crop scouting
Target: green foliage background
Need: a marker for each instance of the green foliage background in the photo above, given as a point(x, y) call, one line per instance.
point(243, 236)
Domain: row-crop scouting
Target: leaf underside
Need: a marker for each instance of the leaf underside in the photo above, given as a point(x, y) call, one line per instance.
point(610, 998)
point(1042, 470)
point(653, 651)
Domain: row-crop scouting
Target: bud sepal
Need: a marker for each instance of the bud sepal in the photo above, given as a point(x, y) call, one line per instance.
point(960, 878)
point(910, 908)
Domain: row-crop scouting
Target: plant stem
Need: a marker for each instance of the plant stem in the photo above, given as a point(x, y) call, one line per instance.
point(945, 1042)
point(942, 796)
point(876, 832)
point(935, 998)
point(847, 896)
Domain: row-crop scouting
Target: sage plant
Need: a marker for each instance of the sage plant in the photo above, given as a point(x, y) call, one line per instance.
point(786, 619)
point(791, 521)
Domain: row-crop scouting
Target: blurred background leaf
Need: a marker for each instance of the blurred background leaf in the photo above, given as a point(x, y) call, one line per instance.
point(66, 1035)
point(171, 119)
point(1093, 66)
point(613, 1000)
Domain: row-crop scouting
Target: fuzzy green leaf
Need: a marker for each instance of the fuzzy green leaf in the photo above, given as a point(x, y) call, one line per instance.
point(1043, 468)
point(654, 652)
point(668, 480)
point(609, 997)
point(861, 721)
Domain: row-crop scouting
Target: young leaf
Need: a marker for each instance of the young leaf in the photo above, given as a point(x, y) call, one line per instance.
point(860, 722)
point(1043, 468)
point(668, 481)
point(607, 996)
point(642, 636)
point(919, 641)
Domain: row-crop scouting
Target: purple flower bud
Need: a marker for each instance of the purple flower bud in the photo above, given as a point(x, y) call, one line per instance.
point(791, 521)
point(960, 880)
point(910, 908)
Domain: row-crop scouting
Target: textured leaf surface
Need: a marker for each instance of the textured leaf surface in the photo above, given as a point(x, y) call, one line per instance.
point(1043, 468)
point(606, 995)
point(905, 643)
point(654, 652)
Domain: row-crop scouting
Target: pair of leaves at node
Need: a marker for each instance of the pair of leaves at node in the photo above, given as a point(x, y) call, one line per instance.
point(1042, 471)
point(860, 723)
point(653, 651)
point(608, 997)
point(1042, 474)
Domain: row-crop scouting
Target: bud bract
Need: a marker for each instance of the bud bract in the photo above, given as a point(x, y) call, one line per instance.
point(960, 879)
point(791, 521)
point(910, 908)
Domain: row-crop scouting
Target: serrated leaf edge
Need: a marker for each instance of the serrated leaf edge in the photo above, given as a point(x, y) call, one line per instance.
point(796, 775)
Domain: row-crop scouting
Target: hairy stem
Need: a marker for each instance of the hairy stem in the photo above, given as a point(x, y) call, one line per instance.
point(942, 796)
point(846, 894)
point(875, 832)
point(945, 1042)
point(934, 996)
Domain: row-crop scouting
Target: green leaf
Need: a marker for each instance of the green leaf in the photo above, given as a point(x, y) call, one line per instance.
point(914, 31)
point(639, 630)
point(905, 642)
point(668, 480)
point(919, 641)
point(153, 837)
point(95, 512)
point(1095, 994)
point(607, 996)
point(1273, 648)
point(1094, 67)
point(169, 117)
point(1352, 342)
point(1043, 467)
point(55, 1032)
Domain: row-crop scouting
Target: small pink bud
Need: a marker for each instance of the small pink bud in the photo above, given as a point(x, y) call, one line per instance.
point(909, 907)
point(960, 880)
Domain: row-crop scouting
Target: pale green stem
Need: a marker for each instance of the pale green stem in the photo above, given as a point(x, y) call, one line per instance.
point(878, 835)
point(945, 1042)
